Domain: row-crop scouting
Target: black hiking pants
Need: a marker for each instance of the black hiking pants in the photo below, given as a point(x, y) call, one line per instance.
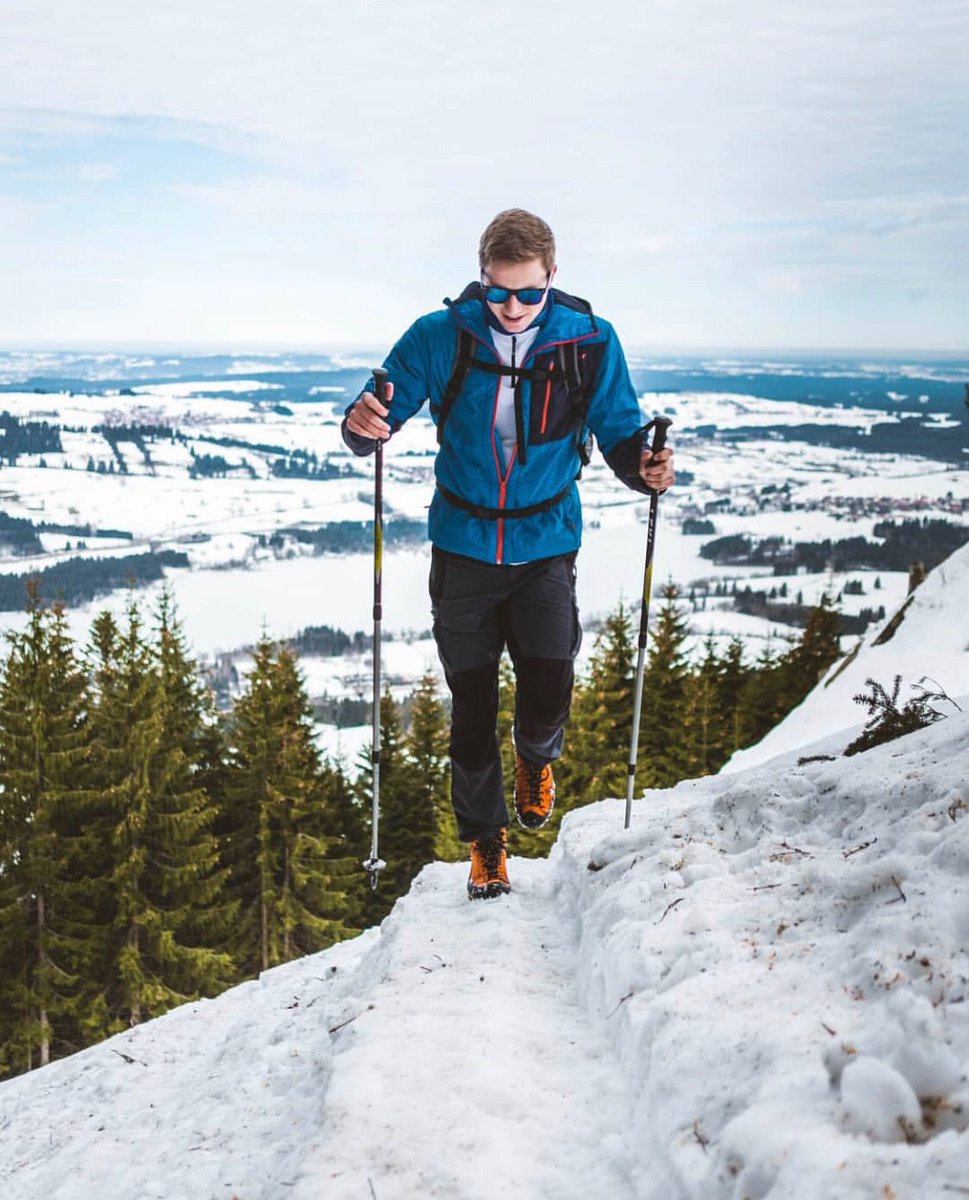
point(480, 608)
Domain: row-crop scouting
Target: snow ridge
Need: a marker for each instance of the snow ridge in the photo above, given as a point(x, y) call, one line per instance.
point(930, 639)
point(780, 957)
point(759, 990)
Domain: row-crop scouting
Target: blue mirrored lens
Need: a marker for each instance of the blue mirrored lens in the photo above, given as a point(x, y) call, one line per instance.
point(498, 295)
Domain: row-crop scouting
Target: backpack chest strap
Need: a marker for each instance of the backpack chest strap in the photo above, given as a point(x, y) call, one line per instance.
point(465, 360)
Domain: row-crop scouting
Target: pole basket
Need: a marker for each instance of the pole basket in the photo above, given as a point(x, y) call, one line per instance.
point(373, 867)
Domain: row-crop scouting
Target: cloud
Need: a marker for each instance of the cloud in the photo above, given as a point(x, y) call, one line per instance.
point(706, 145)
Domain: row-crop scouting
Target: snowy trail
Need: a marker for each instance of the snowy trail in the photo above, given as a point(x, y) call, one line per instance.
point(757, 992)
point(472, 1067)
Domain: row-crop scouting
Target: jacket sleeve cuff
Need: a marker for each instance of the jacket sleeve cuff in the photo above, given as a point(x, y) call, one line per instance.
point(624, 459)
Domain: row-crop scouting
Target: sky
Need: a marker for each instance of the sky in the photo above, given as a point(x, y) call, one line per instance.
point(731, 173)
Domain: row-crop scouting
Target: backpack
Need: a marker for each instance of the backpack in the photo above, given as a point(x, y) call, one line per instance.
point(569, 369)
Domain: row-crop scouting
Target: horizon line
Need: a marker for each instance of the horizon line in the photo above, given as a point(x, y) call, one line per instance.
point(330, 348)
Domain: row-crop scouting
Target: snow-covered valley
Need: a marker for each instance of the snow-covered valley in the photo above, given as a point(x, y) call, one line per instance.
point(757, 991)
point(235, 585)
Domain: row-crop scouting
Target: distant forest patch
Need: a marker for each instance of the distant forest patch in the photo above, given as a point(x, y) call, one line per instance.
point(329, 642)
point(20, 535)
point(796, 613)
point(82, 579)
point(349, 537)
point(910, 435)
point(928, 540)
point(26, 437)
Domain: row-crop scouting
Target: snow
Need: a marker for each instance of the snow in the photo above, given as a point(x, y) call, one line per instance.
point(236, 588)
point(930, 642)
point(758, 990)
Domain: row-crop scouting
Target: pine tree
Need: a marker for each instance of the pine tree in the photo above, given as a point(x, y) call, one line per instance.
point(170, 920)
point(407, 827)
point(663, 732)
point(704, 729)
point(427, 748)
point(730, 683)
point(597, 754)
point(277, 847)
point(763, 696)
point(348, 845)
point(818, 648)
point(47, 923)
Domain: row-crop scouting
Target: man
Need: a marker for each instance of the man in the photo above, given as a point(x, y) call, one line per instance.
point(518, 374)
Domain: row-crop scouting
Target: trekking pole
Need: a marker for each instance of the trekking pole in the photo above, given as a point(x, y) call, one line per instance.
point(660, 426)
point(374, 864)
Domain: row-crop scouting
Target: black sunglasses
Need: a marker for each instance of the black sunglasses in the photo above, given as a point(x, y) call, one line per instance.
point(528, 295)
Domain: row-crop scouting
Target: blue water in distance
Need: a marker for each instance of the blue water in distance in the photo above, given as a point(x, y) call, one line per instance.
point(888, 384)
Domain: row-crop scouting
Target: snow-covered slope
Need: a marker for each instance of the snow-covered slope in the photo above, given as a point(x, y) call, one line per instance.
point(759, 990)
point(927, 637)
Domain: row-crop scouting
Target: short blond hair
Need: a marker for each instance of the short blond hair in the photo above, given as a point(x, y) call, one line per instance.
point(515, 235)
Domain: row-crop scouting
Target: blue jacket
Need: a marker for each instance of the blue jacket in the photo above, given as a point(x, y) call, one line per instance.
point(469, 463)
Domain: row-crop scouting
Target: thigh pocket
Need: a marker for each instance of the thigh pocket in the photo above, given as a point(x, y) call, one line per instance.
point(435, 580)
point(464, 625)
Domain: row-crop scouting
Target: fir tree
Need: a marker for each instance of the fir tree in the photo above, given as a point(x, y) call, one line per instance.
point(817, 649)
point(348, 846)
point(47, 923)
point(277, 847)
point(407, 826)
point(169, 920)
point(763, 696)
point(730, 682)
point(663, 758)
point(704, 728)
point(427, 747)
point(595, 765)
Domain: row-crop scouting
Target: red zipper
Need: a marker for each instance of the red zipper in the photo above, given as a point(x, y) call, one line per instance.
point(502, 479)
point(548, 392)
point(499, 548)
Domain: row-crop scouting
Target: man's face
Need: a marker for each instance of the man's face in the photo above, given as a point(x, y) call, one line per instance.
point(513, 316)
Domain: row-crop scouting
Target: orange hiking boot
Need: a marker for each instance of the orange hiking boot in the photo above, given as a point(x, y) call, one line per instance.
point(489, 866)
point(534, 792)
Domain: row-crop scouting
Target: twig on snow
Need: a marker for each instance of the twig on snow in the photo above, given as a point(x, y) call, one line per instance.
point(344, 1024)
point(857, 849)
point(622, 1001)
point(128, 1059)
point(700, 1136)
point(794, 849)
point(669, 908)
point(901, 895)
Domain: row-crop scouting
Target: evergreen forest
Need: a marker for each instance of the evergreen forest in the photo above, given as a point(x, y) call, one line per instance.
point(155, 850)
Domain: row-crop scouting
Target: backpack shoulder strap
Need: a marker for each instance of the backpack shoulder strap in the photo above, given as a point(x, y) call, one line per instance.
point(462, 364)
point(569, 362)
point(578, 396)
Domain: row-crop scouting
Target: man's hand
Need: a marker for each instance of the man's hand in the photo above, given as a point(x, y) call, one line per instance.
point(366, 418)
point(656, 471)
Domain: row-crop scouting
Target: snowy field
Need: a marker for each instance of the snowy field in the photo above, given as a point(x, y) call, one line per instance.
point(236, 588)
point(759, 990)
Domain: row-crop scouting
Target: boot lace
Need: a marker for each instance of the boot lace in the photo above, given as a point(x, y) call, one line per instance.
point(534, 777)
point(490, 850)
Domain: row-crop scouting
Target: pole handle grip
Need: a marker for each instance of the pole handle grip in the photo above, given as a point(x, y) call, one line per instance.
point(380, 384)
point(660, 429)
